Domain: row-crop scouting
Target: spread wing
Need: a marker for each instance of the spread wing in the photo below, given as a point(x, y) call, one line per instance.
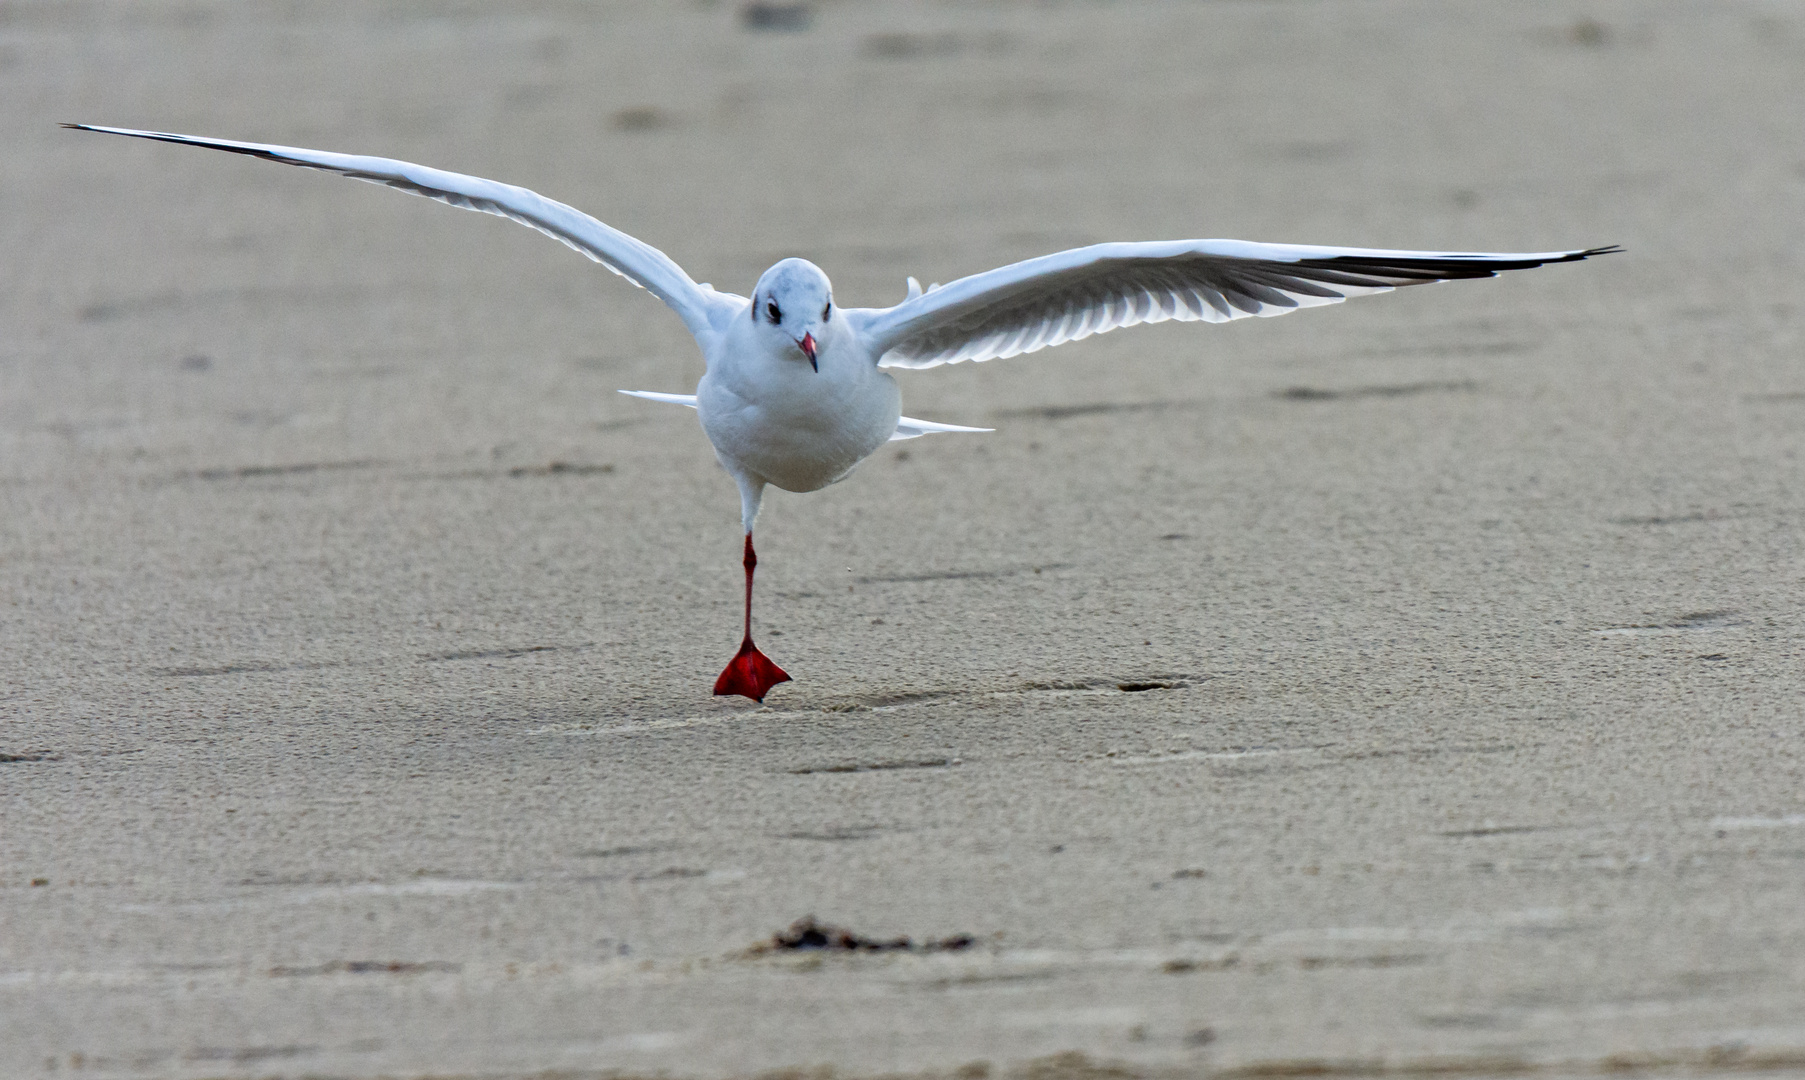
point(1029, 306)
point(702, 309)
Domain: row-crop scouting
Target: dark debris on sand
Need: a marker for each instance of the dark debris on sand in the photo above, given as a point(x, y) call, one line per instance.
point(805, 934)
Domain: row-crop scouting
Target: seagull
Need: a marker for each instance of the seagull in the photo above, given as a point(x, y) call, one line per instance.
point(794, 393)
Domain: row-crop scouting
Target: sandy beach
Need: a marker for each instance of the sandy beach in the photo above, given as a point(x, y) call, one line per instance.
point(1410, 686)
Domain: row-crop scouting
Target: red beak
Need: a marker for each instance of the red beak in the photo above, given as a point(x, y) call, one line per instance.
point(807, 345)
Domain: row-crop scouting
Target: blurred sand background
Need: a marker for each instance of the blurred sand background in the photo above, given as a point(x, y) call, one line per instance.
point(356, 637)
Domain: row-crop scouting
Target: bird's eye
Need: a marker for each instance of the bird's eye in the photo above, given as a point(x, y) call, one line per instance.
point(828, 311)
point(771, 310)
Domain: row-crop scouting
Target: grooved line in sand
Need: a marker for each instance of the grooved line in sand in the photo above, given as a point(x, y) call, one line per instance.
point(1100, 688)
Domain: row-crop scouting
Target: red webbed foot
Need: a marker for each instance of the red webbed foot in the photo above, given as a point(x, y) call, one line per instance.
point(749, 674)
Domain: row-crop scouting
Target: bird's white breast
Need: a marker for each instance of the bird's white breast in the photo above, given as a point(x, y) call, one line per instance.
point(774, 417)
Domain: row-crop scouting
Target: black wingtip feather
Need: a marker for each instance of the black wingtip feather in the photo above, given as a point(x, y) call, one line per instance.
point(1413, 271)
point(188, 140)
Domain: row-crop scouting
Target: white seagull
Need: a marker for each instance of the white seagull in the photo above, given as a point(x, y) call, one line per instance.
point(794, 393)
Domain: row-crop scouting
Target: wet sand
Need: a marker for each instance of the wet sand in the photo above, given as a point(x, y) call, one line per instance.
point(1410, 685)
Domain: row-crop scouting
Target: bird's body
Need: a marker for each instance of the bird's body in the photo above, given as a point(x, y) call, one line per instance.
point(775, 419)
point(794, 393)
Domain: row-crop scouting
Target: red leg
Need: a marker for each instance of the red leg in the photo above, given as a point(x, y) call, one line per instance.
point(750, 673)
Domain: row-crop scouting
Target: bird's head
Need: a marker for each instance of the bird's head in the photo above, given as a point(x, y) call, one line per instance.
point(794, 299)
